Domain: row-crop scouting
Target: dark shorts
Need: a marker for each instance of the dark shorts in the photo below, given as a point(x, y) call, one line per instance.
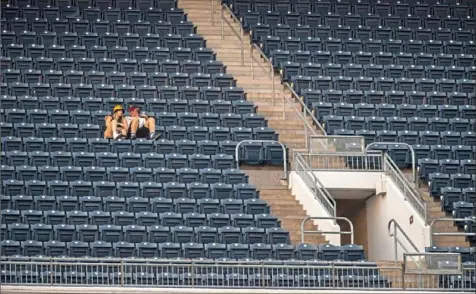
point(142, 132)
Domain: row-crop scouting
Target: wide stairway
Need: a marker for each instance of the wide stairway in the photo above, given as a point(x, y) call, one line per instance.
point(270, 104)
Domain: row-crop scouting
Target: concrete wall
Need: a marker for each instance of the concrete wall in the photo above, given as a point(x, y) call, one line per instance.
point(349, 180)
point(380, 210)
point(313, 208)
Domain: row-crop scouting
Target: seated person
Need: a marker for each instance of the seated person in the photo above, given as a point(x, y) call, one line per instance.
point(134, 125)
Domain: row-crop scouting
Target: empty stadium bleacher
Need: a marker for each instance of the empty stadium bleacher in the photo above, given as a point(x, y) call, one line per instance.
point(68, 193)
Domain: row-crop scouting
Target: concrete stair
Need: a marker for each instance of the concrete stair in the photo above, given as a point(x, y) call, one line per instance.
point(280, 113)
point(434, 211)
point(291, 213)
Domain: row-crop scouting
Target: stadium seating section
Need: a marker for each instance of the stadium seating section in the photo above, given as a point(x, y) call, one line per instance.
point(390, 72)
point(375, 69)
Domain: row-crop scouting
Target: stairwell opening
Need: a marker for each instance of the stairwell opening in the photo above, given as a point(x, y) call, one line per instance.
point(355, 210)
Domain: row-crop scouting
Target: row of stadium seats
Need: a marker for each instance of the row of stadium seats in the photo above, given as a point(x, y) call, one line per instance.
point(43, 53)
point(186, 250)
point(132, 40)
point(118, 174)
point(367, 58)
point(422, 9)
point(166, 107)
point(211, 278)
point(430, 126)
point(185, 119)
point(131, 24)
point(448, 104)
point(132, 189)
point(367, 83)
point(294, 20)
point(290, 69)
point(131, 154)
point(54, 13)
point(449, 195)
point(313, 44)
point(112, 221)
point(84, 4)
point(171, 132)
point(71, 205)
point(190, 67)
point(259, 31)
point(432, 113)
point(440, 179)
point(147, 84)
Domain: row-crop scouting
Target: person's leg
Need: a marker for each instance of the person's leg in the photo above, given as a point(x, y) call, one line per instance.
point(108, 133)
point(150, 124)
point(133, 127)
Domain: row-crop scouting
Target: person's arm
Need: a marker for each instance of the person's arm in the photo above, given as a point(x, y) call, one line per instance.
point(114, 129)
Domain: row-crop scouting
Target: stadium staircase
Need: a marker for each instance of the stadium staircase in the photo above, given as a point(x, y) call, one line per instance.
point(434, 212)
point(270, 104)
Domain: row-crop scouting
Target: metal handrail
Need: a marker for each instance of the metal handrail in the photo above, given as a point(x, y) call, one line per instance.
point(446, 219)
point(306, 109)
point(397, 228)
point(412, 151)
point(409, 192)
point(240, 35)
point(267, 60)
point(315, 185)
point(285, 155)
point(212, 11)
point(335, 219)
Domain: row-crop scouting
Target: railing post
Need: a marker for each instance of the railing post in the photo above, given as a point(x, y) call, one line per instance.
point(122, 271)
point(242, 46)
point(271, 77)
point(213, 11)
point(395, 242)
point(284, 105)
point(222, 14)
point(251, 62)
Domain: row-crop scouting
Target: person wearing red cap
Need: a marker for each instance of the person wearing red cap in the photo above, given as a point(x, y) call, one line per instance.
point(140, 125)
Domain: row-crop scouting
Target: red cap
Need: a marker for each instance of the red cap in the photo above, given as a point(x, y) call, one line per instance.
point(132, 108)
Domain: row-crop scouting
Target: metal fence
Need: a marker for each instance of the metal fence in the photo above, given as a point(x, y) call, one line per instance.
point(346, 162)
point(314, 184)
point(225, 274)
point(409, 192)
point(337, 144)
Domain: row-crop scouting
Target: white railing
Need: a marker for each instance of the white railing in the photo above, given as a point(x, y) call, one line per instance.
point(394, 231)
point(240, 35)
point(314, 184)
point(321, 232)
point(409, 192)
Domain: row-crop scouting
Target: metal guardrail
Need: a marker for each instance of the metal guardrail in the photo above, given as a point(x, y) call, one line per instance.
point(155, 273)
point(344, 162)
point(445, 219)
point(285, 154)
point(314, 184)
point(239, 34)
point(320, 232)
point(270, 67)
point(397, 230)
point(212, 11)
point(410, 193)
point(412, 151)
point(306, 111)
